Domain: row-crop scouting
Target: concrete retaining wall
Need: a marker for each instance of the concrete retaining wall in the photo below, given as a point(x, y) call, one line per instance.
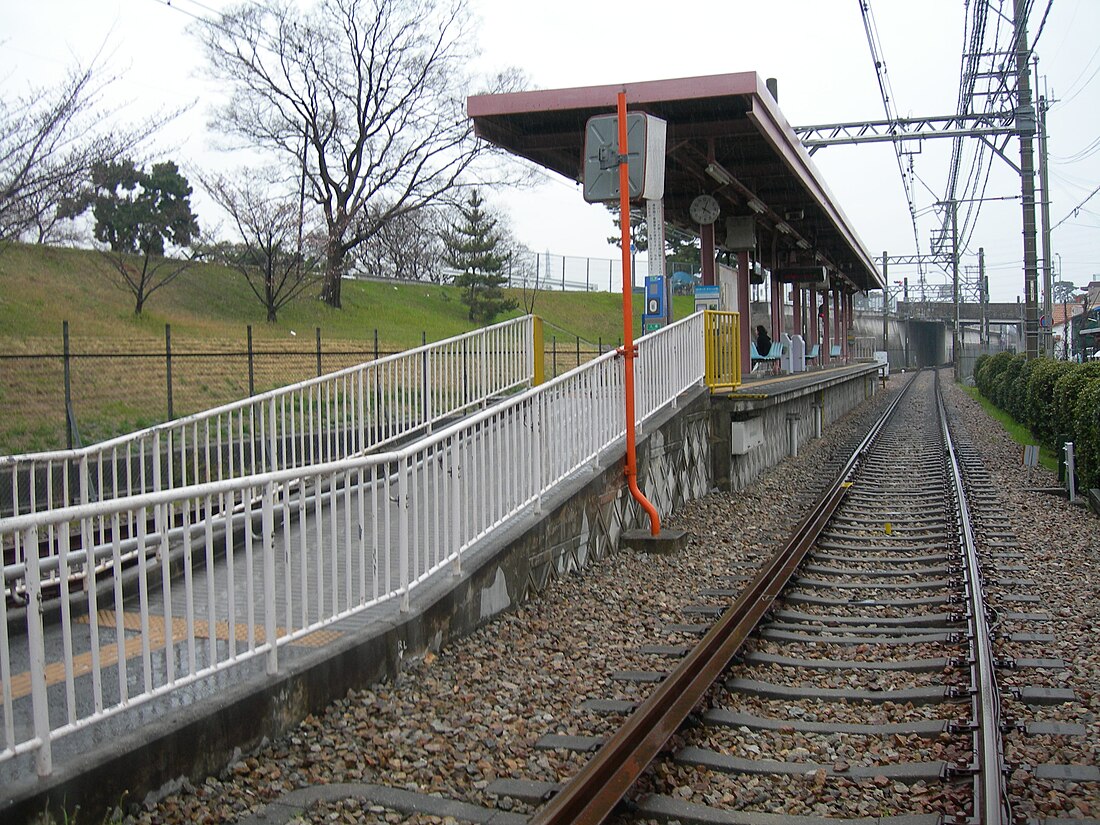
point(798, 414)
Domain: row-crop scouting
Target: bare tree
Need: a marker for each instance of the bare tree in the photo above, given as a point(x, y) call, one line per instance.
point(270, 249)
point(365, 97)
point(50, 140)
point(407, 246)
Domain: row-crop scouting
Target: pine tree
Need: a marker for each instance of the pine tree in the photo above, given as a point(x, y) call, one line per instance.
point(474, 248)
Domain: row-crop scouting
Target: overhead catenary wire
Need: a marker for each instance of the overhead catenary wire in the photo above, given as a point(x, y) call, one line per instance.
point(886, 92)
point(1077, 209)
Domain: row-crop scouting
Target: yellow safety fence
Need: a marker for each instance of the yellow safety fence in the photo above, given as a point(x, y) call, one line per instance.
point(722, 343)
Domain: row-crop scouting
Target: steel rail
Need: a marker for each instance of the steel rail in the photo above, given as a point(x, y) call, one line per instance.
point(991, 795)
point(591, 796)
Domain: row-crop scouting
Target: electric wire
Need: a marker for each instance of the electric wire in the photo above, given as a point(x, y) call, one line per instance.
point(886, 91)
point(1077, 209)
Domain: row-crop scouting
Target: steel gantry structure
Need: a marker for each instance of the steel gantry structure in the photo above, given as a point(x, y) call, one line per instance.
point(1010, 112)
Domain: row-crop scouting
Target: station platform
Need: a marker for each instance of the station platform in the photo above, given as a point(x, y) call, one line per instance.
point(769, 416)
point(762, 389)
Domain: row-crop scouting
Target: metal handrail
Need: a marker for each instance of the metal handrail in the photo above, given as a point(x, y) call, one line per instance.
point(355, 532)
point(328, 417)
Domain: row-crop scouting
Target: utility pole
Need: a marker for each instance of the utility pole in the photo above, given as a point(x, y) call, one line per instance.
point(983, 291)
point(1025, 126)
point(956, 337)
point(1044, 215)
point(885, 303)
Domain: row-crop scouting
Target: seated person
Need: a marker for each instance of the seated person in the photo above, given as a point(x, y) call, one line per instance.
point(763, 342)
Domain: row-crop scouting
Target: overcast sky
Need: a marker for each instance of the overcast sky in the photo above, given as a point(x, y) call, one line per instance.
point(817, 49)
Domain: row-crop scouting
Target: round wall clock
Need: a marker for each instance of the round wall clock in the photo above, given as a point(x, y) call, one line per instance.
point(704, 209)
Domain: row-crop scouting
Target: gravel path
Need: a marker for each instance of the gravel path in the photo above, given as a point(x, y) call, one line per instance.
point(453, 722)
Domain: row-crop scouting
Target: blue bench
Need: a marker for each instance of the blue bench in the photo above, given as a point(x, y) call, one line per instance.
point(813, 352)
point(773, 354)
point(834, 351)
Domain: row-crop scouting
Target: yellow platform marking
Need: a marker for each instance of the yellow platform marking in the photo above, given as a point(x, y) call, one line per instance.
point(108, 654)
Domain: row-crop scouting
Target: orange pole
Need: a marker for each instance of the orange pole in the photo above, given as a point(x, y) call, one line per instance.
point(628, 325)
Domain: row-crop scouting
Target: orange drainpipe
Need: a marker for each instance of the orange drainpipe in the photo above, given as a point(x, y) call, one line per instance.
point(628, 325)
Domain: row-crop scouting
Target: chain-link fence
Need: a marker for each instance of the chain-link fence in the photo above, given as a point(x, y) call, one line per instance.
point(64, 393)
point(580, 274)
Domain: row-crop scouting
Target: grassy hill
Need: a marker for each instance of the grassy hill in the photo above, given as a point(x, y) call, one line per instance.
point(209, 309)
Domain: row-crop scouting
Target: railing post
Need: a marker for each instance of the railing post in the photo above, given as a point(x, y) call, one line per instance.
point(168, 366)
point(483, 367)
point(43, 756)
point(403, 529)
point(156, 462)
point(455, 480)
point(68, 384)
point(536, 449)
point(273, 437)
point(427, 379)
point(465, 372)
point(251, 366)
point(270, 629)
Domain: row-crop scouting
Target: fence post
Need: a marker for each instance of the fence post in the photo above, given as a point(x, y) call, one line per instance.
point(587, 270)
point(251, 373)
point(563, 273)
point(318, 352)
point(376, 343)
point(554, 356)
point(168, 366)
point(68, 385)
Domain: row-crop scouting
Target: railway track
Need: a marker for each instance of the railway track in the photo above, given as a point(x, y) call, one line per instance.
point(857, 672)
point(849, 701)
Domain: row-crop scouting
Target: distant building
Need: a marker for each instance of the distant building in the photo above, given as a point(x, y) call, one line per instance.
point(1084, 336)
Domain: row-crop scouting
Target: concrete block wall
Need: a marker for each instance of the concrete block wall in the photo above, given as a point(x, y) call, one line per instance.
point(802, 408)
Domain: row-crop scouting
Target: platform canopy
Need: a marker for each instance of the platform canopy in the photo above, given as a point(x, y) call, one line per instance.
point(726, 137)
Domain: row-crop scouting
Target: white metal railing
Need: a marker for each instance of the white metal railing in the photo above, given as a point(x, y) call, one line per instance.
point(284, 554)
point(324, 419)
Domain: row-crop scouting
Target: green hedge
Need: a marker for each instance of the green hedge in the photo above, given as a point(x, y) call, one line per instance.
point(1040, 399)
point(1086, 445)
point(989, 370)
point(1066, 390)
point(1057, 400)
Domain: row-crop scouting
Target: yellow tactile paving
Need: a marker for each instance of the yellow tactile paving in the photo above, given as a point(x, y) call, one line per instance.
point(108, 654)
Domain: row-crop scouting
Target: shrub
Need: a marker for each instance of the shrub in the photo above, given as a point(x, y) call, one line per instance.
point(979, 362)
point(985, 375)
point(1016, 402)
point(1003, 384)
point(1040, 398)
point(1086, 436)
point(1066, 390)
